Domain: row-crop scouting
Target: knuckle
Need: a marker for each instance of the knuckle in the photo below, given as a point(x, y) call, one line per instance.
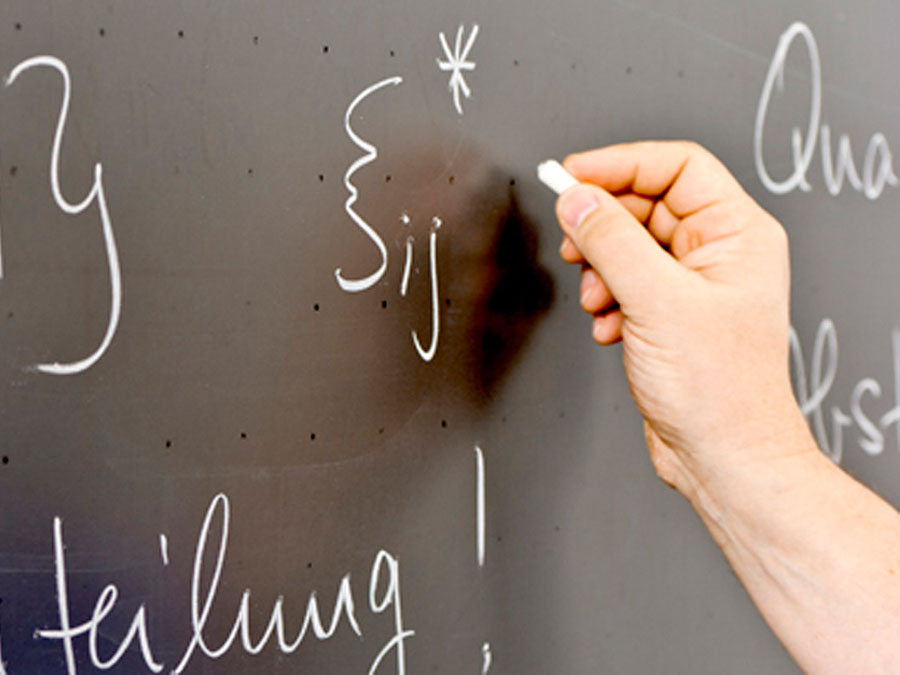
point(694, 148)
point(694, 151)
point(774, 231)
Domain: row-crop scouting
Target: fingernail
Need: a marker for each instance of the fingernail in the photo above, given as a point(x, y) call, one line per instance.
point(576, 204)
point(588, 283)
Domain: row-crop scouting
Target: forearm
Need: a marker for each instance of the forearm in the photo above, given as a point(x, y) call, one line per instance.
point(818, 552)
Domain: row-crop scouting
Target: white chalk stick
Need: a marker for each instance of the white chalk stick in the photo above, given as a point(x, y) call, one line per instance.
point(554, 175)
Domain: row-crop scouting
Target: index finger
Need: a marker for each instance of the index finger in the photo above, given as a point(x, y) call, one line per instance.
point(686, 176)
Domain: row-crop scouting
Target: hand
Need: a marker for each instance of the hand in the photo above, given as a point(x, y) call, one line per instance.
point(683, 267)
point(692, 276)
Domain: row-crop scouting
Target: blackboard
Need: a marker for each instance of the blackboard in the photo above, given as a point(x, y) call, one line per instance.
point(288, 352)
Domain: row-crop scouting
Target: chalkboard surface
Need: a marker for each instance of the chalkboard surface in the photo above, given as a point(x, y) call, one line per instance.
point(293, 379)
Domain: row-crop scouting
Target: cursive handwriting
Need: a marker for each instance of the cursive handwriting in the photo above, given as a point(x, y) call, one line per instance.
point(878, 168)
point(813, 385)
point(371, 154)
point(428, 354)
point(385, 567)
point(357, 285)
point(97, 194)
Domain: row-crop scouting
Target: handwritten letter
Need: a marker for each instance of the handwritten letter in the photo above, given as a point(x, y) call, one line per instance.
point(356, 285)
point(878, 170)
point(96, 194)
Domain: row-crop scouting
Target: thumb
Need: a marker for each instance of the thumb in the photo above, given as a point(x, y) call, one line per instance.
point(621, 250)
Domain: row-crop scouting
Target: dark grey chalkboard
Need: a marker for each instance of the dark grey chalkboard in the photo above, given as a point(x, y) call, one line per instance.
point(236, 433)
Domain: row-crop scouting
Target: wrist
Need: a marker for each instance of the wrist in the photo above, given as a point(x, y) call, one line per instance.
point(765, 462)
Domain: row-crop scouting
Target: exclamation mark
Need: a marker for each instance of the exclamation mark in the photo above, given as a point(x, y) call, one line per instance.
point(479, 540)
point(479, 506)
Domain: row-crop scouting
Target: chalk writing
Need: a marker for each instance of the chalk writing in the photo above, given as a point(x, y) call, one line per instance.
point(356, 285)
point(365, 283)
point(457, 62)
point(164, 549)
point(425, 354)
point(428, 354)
point(97, 194)
point(479, 506)
point(813, 385)
point(878, 170)
point(391, 599)
point(486, 658)
point(486, 655)
point(2, 663)
point(105, 604)
point(407, 263)
point(385, 567)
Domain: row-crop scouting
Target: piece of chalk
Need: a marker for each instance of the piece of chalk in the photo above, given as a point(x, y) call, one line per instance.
point(554, 175)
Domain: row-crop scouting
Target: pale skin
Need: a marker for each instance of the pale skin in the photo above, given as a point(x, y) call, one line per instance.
point(691, 275)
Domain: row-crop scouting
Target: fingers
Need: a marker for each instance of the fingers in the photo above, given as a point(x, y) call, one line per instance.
point(594, 295)
point(641, 208)
point(624, 254)
point(640, 211)
point(595, 298)
point(685, 175)
point(607, 328)
point(569, 252)
point(661, 223)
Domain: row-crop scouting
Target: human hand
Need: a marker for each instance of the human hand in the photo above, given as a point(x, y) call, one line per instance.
point(683, 267)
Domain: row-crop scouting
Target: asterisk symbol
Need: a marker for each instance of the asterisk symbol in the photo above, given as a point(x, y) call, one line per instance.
point(457, 62)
